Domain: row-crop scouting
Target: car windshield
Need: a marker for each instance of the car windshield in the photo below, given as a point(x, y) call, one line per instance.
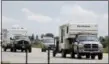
point(48, 40)
point(87, 38)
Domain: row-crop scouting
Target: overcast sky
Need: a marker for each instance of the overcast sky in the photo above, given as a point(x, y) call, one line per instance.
point(46, 16)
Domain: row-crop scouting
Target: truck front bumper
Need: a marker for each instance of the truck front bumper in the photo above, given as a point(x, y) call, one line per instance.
point(22, 46)
point(92, 51)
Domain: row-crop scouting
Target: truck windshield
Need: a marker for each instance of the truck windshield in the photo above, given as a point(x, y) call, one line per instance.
point(21, 37)
point(87, 38)
point(48, 40)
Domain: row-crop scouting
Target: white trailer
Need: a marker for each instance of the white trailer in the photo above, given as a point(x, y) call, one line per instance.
point(5, 38)
point(80, 39)
point(16, 38)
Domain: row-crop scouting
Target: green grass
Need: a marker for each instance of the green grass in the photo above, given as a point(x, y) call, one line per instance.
point(38, 45)
point(106, 50)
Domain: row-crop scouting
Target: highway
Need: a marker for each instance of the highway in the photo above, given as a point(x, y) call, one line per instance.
point(41, 57)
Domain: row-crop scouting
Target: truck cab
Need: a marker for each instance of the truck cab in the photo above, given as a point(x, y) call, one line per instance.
point(21, 42)
point(15, 38)
point(46, 43)
point(88, 45)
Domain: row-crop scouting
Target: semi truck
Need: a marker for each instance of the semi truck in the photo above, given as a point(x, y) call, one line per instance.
point(78, 39)
point(15, 39)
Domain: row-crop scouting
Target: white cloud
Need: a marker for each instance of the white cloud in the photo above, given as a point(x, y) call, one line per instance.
point(36, 17)
point(80, 15)
point(7, 22)
point(103, 24)
point(8, 19)
point(77, 13)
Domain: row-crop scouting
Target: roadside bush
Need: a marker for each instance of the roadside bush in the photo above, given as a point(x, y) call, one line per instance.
point(106, 50)
point(38, 45)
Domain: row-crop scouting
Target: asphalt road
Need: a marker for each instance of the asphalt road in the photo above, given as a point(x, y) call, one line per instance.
point(41, 57)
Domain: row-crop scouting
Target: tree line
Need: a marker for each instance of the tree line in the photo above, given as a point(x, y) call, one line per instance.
point(104, 41)
point(36, 37)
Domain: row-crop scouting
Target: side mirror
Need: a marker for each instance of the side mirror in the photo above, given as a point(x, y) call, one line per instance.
point(77, 40)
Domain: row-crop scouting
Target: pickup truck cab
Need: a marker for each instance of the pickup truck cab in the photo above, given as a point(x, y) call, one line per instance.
point(47, 42)
point(88, 45)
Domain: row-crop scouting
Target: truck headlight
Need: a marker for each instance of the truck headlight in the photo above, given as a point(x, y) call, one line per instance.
point(81, 45)
point(101, 47)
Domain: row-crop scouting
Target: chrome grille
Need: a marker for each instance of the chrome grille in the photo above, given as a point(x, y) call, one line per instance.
point(87, 46)
point(91, 50)
point(51, 45)
point(91, 47)
point(94, 45)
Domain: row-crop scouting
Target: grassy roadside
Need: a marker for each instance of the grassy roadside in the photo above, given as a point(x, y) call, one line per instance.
point(38, 45)
point(106, 50)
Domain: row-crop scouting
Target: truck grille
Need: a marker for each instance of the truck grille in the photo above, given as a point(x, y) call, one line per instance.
point(51, 45)
point(91, 47)
point(23, 42)
point(94, 46)
point(87, 46)
point(91, 50)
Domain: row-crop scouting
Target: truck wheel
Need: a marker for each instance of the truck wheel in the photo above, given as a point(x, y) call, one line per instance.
point(92, 56)
point(21, 50)
point(11, 49)
point(78, 55)
point(43, 50)
point(26, 50)
point(5, 49)
point(87, 56)
point(29, 49)
point(72, 55)
point(100, 56)
point(54, 53)
point(63, 53)
point(14, 49)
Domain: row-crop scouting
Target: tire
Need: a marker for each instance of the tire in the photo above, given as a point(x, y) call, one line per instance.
point(14, 49)
point(11, 49)
point(26, 50)
point(92, 56)
point(21, 50)
point(43, 50)
point(87, 56)
point(5, 49)
point(54, 53)
point(78, 55)
point(100, 56)
point(30, 50)
point(63, 53)
point(72, 54)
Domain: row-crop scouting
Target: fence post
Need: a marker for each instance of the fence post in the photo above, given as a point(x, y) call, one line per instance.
point(48, 55)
